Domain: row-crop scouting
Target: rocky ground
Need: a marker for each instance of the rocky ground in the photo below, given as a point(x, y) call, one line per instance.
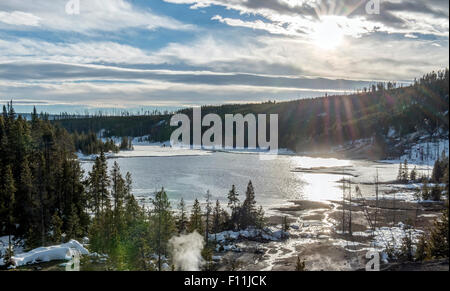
point(316, 236)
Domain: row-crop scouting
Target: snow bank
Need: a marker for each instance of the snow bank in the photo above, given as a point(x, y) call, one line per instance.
point(423, 152)
point(393, 236)
point(17, 246)
point(83, 157)
point(46, 254)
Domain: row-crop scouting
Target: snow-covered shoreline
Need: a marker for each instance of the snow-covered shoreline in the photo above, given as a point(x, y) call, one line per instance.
point(63, 252)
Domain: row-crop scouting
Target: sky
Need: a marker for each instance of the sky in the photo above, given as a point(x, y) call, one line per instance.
point(131, 54)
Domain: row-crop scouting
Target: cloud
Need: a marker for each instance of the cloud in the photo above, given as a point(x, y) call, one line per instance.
point(265, 51)
point(25, 49)
point(19, 18)
point(280, 55)
point(301, 15)
point(60, 72)
point(95, 15)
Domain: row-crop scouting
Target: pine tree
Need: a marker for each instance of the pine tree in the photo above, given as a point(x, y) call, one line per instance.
point(436, 193)
point(233, 203)
point(118, 193)
point(413, 175)
point(405, 174)
point(57, 225)
point(24, 210)
point(438, 246)
point(182, 221)
point(421, 250)
point(248, 212)
point(208, 212)
point(195, 221)
point(438, 171)
point(400, 172)
point(162, 224)
point(406, 249)
point(7, 201)
point(217, 218)
point(260, 218)
point(104, 182)
point(425, 191)
point(133, 211)
point(73, 230)
point(445, 178)
point(98, 183)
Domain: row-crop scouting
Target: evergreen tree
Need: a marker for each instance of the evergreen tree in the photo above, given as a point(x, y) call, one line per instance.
point(233, 203)
point(73, 230)
point(57, 225)
point(182, 221)
point(400, 172)
point(413, 175)
point(438, 244)
point(248, 211)
point(133, 212)
point(425, 191)
point(104, 182)
point(24, 211)
point(208, 213)
point(445, 178)
point(98, 183)
point(217, 218)
point(421, 250)
point(118, 193)
point(406, 249)
point(405, 174)
point(438, 171)
point(162, 225)
point(436, 193)
point(195, 221)
point(7, 201)
point(260, 218)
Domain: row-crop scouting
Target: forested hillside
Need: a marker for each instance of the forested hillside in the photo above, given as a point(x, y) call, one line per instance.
point(316, 123)
point(45, 199)
point(41, 181)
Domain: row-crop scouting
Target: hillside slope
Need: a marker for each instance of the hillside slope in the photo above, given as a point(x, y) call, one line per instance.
point(318, 124)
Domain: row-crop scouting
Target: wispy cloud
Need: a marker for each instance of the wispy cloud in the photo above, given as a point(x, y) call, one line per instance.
point(19, 18)
point(120, 53)
point(95, 15)
point(301, 15)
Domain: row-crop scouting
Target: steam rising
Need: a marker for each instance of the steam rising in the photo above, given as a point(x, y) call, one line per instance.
point(186, 251)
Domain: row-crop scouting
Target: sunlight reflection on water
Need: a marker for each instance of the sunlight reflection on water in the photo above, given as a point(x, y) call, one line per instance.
point(274, 181)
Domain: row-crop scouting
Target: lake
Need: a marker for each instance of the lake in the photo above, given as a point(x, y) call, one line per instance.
point(189, 174)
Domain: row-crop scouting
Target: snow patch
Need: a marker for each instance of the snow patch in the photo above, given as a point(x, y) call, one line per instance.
point(64, 251)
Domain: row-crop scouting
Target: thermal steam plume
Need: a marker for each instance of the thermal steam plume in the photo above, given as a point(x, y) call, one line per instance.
point(187, 251)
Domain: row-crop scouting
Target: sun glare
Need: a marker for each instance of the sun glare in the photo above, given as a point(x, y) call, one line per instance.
point(327, 35)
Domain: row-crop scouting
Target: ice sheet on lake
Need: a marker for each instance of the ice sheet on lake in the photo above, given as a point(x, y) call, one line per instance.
point(159, 151)
point(148, 151)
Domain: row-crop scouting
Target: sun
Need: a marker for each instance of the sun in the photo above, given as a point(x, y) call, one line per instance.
point(327, 34)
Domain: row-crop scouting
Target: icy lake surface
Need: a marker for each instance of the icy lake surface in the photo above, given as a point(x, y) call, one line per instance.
point(190, 174)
